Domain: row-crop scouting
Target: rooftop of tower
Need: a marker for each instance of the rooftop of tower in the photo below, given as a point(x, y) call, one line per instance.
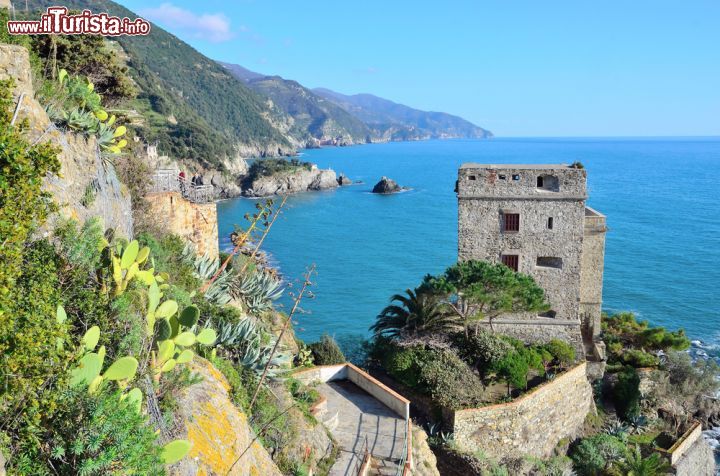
point(473, 165)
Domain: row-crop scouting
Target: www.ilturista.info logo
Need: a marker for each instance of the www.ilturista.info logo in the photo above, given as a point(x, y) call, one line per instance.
point(56, 21)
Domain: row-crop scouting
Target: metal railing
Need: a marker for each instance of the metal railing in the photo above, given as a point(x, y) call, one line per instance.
point(169, 180)
point(361, 464)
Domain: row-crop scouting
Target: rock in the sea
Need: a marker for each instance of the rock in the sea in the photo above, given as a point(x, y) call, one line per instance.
point(387, 185)
point(344, 180)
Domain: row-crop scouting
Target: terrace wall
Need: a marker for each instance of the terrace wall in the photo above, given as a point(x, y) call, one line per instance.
point(532, 424)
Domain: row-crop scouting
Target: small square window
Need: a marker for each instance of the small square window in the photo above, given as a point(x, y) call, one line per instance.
point(502, 177)
point(516, 177)
point(472, 177)
point(511, 222)
point(511, 261)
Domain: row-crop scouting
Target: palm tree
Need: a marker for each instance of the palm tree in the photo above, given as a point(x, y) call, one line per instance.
point(635, 465)
point(415, 314)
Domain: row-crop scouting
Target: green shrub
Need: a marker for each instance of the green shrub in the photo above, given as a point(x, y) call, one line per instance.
point(482, 350)
point(595, 454)
point(167, 254)
point(404, 365)
point(639, 358)
point(624, 334)
point(91, 434)
point(561, 351)
point(626, 393)
point(449, 381)
point(24, 205)
point(238, 391)
point(32, 360)
point(326, 351)
point(514, 369)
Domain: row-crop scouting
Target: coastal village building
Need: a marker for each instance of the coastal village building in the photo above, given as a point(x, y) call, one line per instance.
point(533, 218)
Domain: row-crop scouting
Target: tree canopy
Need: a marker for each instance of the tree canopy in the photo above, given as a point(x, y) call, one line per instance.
point(477, 290)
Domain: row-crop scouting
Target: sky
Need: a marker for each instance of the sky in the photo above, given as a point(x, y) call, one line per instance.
point(521, 68)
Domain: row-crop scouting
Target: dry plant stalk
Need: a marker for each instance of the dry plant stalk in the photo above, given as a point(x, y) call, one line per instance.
point(286, 324)
point(264, 212)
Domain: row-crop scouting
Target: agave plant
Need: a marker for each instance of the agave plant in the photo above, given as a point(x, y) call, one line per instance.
point(617, 429)
point(244, 341)
point(257, 290)
point(205, 268)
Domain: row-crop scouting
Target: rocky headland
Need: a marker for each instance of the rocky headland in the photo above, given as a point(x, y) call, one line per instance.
point(287, 182)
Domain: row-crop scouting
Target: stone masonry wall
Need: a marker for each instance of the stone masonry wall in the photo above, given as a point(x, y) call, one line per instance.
point(541, 331)
point(698, 460)
point(591, 271)
point(481, 238)
point(196, 222)
point(533, 424)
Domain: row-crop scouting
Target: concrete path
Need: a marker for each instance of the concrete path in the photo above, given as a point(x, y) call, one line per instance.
point(360, 416)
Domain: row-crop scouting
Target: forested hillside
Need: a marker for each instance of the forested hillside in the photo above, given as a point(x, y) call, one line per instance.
point(393, 121)
point(313, 116)
point(191, 106)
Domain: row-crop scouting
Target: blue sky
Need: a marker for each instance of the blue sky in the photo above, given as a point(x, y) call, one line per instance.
point(521, 68)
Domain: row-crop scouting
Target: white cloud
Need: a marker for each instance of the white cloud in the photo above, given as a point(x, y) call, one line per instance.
point(213, 27)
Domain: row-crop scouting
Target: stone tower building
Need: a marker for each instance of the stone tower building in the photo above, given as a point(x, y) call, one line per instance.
point(533, 219)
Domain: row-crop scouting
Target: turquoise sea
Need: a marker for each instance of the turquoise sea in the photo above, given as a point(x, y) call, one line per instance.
point(661, 197)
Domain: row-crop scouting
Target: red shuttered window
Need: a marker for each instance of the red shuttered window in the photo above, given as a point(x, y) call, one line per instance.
point(511, 222)
point(511, 261)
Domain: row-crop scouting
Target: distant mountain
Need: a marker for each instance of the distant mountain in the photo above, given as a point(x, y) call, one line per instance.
point(192, 107)
point(392, 121)
point(314, 119)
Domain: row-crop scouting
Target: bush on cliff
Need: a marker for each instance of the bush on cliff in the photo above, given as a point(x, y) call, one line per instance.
point(626, 393)
point(595, 455)
point(326, 351)
point(92, 434)
point(449, 381)
point(635, 343)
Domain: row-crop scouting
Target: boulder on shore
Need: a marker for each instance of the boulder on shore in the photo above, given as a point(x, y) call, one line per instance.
point(344, 180)
point(387, 185)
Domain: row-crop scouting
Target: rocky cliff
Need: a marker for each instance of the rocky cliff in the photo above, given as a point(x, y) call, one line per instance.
point(301, 180)
point(218, 430)
point(87, 185)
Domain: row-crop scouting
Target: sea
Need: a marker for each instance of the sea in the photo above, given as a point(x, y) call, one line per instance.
point(661, 197)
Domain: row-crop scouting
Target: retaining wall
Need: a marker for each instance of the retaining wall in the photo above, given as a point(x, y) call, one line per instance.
point(532, 424)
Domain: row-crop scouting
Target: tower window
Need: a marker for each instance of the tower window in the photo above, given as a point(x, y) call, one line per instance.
point(516, 177)
point(502, 177)
point(550, 223)
point(549, 183)
point(549, 262)
point(511, 222)
point(511, 261)
point(472, 177)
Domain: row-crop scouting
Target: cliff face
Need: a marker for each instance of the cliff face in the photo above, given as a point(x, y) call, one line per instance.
point(218, 430)
point(291, 182)
point(87, 185)
point(196, 222)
